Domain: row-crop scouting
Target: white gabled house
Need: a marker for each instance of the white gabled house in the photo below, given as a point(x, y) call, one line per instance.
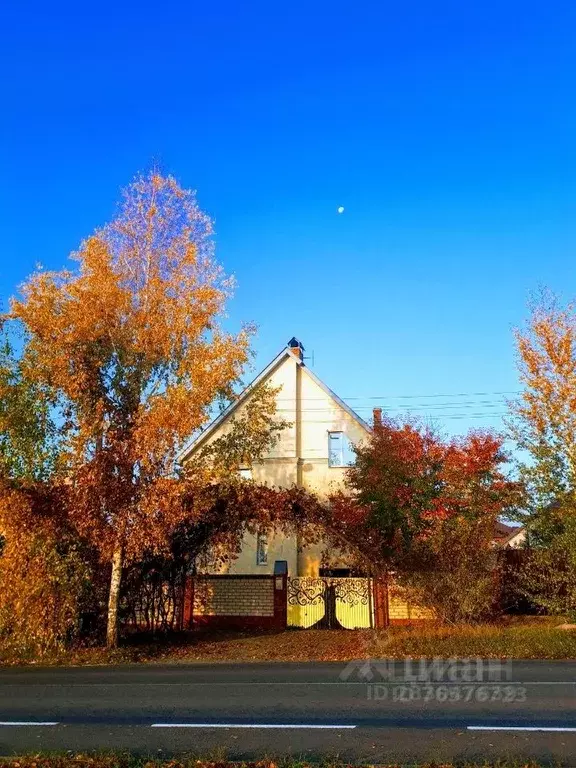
point(312, 453)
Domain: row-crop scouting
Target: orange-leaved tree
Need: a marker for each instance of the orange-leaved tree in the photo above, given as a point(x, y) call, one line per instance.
point(544, 425)
point(132, 345)
point(44, 571)
point(426, 509)
point(43, 568)
point(544, 417)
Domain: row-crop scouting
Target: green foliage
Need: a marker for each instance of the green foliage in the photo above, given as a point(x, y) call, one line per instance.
point(43, 575)
point(548, 476)
point(543, 424)
point(548, 574)
point(28, 444)
point(249, 435)
point(454, 572)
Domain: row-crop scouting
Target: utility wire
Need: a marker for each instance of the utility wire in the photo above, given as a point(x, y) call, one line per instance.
point(417, 406)
point(434, 416)
point(413, 397)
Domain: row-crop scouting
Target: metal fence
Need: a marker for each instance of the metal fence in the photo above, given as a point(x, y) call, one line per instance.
point(330, 602)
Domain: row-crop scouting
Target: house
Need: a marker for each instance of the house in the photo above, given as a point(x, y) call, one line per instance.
point(312, 453)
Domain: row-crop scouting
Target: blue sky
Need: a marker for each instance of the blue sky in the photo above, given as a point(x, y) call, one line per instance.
point(446, 129)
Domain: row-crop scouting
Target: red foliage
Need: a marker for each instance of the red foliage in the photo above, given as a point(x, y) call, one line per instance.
point(407, 482)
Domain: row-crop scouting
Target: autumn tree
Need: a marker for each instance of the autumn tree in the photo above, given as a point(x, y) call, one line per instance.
point(544, 417)
point(218, 516)
point(28, 433)
point(132, 344)
point(454, 567)
point(543, 423)
point(425, 508)
point(43, 569)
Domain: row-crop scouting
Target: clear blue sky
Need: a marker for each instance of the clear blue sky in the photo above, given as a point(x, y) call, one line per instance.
point(446, 129)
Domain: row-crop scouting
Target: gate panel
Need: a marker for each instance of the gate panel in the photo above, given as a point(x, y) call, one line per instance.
point(305, 601)
point(354, 603)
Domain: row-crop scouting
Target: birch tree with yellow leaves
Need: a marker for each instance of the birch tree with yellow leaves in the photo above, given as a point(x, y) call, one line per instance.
point(131, 343)
point(544, 426)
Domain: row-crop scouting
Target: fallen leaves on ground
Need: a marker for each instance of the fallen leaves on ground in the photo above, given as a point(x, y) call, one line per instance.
point(521, 638)
point(130, 761)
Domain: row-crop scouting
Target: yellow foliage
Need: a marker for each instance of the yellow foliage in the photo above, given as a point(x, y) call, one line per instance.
point(133, 347)
point(42, 576)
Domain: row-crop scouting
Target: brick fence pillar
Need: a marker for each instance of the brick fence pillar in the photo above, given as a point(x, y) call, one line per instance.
point(381, 615)
point(281, 601)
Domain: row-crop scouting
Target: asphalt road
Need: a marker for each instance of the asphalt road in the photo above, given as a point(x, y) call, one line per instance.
point(376, 712)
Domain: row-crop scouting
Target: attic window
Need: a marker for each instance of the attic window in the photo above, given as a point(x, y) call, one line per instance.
point(340, 453)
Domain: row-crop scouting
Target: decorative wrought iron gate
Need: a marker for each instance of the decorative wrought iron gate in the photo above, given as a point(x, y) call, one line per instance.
point(330, 603)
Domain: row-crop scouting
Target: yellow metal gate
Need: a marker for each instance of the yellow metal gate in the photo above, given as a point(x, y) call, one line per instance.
point(330, 603)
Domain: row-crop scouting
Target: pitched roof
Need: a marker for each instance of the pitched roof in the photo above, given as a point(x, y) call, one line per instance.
point(504, 533)
point(503, 530)
point(285, 353)
point(516, 530)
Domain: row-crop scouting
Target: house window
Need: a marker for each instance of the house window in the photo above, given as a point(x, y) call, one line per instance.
point(340, 453)
point(245, 473)
point(261, 548)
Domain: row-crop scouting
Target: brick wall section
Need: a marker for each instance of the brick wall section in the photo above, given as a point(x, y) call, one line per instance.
point(402, 611)
point(237, 602)
point(218, 596)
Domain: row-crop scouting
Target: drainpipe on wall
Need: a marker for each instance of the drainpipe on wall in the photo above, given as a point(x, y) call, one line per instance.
point(298, 350)
point(299, 460)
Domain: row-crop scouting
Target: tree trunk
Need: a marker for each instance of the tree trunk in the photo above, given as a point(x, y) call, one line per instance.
point(113, 598)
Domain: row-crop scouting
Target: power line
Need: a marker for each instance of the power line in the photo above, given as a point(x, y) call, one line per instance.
point(414, 397)
point(435, 416)
point(417, 406)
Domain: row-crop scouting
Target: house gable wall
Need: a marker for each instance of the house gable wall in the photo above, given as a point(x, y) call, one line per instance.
point(300, 457)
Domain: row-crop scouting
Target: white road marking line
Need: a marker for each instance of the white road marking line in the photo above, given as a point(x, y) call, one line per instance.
point(24, 722)
point(247, 725)
point(519, 728)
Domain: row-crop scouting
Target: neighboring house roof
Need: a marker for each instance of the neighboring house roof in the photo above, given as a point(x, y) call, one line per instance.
point(286, 352)
point(504, 534)
point(502, 530)
point(518, 531)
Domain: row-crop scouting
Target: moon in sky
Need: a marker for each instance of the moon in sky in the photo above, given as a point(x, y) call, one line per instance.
point(341, 209)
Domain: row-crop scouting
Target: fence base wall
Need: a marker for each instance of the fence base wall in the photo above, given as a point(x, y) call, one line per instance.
point(237, 602)
point(238, 622)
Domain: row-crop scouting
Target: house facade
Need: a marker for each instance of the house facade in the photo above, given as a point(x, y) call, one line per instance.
point(312, 453)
